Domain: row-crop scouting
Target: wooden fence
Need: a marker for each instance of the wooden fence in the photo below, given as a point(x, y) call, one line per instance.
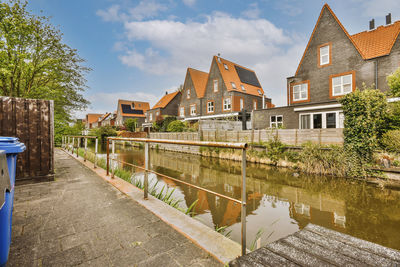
point(287, 136)
point(32, 121)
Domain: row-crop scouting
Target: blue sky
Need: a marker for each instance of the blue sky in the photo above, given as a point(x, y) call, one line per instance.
point(140, 49)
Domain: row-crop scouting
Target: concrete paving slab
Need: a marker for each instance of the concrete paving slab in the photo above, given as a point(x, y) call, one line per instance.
point(80, 220)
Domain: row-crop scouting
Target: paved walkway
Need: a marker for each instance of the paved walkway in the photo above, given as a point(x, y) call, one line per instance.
point(80, 219)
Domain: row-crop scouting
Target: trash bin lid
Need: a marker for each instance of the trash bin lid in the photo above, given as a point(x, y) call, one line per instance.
point(11, 145)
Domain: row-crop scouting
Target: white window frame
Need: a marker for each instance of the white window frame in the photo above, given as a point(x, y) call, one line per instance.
point(275, 124)
point(215, 82)
point(182, 111)
point(341, 85)
point(157, 113)
point(325, 54)
point(226, 66)
point(233, 85)
point(243, 88)
point(188, 94)
point(193, 110)
point(254, 104)
point(151, 116)
point(301, 87)
point(227, 104)
point(241, 103)
point(210, 108)
point(337, 118)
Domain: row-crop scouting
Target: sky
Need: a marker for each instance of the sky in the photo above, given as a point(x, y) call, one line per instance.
point(140, 49)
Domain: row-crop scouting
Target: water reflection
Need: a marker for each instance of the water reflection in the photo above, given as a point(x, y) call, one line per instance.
point(277, 201)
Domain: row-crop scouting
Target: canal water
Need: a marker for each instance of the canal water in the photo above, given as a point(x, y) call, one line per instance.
point(278, 202)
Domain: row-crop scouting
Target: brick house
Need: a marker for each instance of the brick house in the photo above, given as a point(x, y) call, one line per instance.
point(91, 119)
point(167, 105)
point(127, 109)
point(334, 63)
point(223, 92)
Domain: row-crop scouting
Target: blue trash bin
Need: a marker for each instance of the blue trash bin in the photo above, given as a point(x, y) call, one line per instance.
point(11, 147)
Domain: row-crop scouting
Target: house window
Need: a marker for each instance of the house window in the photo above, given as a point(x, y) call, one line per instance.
point(219, 59)
point(259, 92)
point(305, 121)
point(242, 86)
point(331, 120)
point(341, 120)
point(157, 113)
point(193, 110)
point(188, 93)
point(254, 104)
point(324, 56)
point(300, 92)
point(233, 85)
point(227, 103)
point(317, 121)
point(241, 104)
point(226, 66)
point(151, 116)
point(215, 85)
point(276, 121)
point(182, 111)
point(342, 85)
point(210, 107)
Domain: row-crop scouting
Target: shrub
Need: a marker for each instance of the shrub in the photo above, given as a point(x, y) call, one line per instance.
point(364, 113)
point(166, 121)
point(103, 132)
point(176, 126)
point(275, 149)
point(391, 141)
point(130, 124)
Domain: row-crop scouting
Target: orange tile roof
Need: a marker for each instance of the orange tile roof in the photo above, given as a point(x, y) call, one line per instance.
point(378, 42)
point(199, 79)
point(369, 44)
point(230, 75)
point(138, 105)
point(164, 101)
point(92, 117)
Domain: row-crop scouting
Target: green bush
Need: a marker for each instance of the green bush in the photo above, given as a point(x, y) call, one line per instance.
point(176, 126)
point(391, 141)
point(365, 112)
point(103, 132)
point(275, 149)
point(130, 124)
point(167, 120)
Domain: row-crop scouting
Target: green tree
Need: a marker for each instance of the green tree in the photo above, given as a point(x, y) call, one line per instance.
point(130, 124)
point(35, 63)
point(394, 83)
point(103, 132)
point(364, 123)
point(176, 126)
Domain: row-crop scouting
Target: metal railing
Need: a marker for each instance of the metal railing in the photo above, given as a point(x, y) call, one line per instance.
point(146, 169)
point(68, 143)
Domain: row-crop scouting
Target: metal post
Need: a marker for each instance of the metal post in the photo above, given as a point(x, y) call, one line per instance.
point(85, 149)
point(146, 173)
point(243, 215)
point(77, 146)
point(95, 153)
point(73, 143)
point(113, 158)
point(108, 156)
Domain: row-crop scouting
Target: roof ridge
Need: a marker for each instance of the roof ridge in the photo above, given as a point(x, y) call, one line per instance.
point(379, 27)
point(235, 64)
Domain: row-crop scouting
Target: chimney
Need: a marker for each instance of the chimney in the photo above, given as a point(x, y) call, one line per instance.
point(372, 24)
point(166, 92)
point(389, 19)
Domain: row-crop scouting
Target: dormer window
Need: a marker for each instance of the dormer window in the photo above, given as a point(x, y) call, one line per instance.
point(219, 59)
point(188, 94)
point(233, 85)
point(133, 105)
point(226, 66)
point(324, 52)
point(259, 92)
point(242, 86)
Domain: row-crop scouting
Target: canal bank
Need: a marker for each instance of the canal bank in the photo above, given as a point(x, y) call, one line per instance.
point(278, 203)
point(79, 219)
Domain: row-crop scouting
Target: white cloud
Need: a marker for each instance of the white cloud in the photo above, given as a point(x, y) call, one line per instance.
point(379, 8)
point(172, 46)
point(145, 9)
point(252, 12)
point(189, 2)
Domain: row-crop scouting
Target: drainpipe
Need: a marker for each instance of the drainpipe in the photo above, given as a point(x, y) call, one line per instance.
point(376, 74)
point(263, 102)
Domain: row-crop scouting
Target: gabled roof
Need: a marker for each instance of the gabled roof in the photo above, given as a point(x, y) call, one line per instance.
point(378, 42)
point(92, 117)
point(199, 79)
point(369, 44)
point(164, 101)
point(104, 116)
point(240, 76)
point(130, 108)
